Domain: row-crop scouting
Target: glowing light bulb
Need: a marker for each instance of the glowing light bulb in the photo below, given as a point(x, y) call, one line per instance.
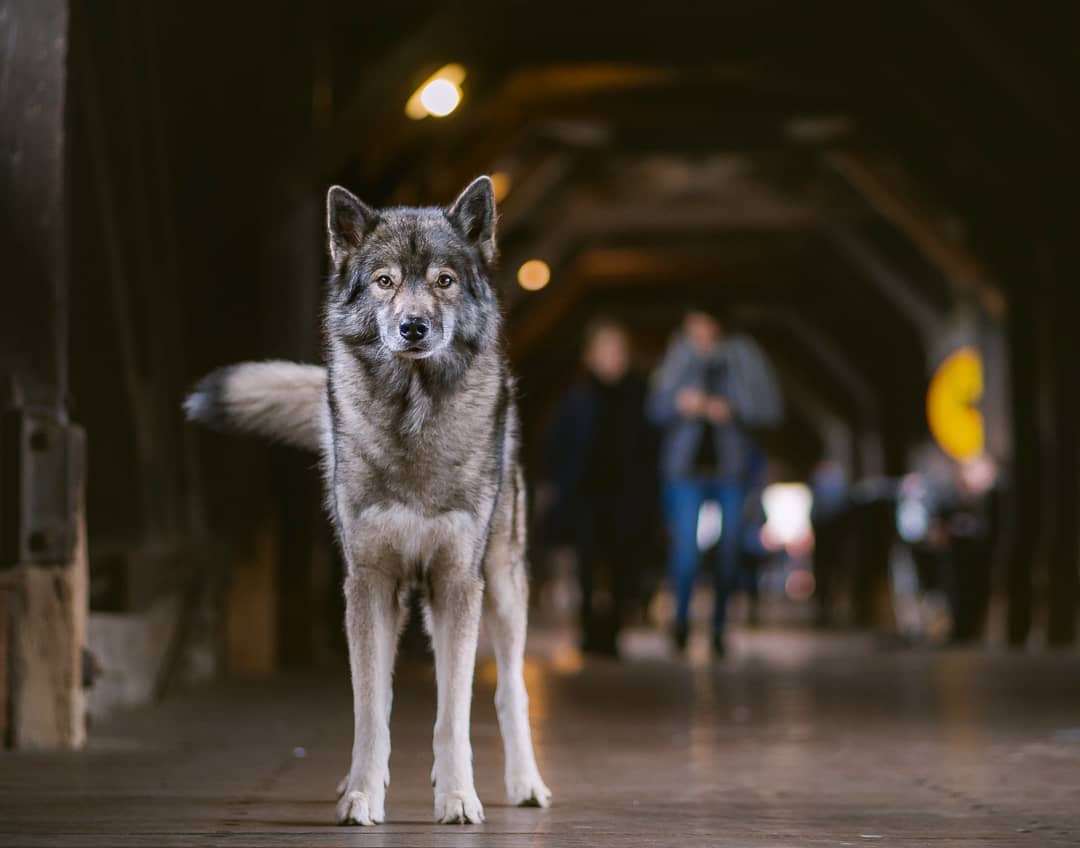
point(440, 97)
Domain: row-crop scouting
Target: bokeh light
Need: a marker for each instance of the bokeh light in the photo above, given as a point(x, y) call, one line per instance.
point(438, 95)
point(534, 275)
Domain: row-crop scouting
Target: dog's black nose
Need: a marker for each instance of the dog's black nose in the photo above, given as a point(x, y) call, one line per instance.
point(413, 329)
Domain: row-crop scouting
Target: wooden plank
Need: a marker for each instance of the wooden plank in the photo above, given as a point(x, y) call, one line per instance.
point(798, 739)
point(46, 695)
point(33, 322)
point(1063, 578)
point(5, 669)
point(48, 704)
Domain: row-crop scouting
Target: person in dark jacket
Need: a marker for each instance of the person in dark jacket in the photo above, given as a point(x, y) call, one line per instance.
point(599, 462)
point(708, 394)
point(830, 519)
point(968, 513)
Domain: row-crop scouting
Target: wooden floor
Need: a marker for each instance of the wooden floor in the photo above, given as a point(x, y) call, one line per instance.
point(796, 740)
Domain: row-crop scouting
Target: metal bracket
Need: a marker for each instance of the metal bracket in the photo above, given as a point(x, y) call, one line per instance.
point(42, 466)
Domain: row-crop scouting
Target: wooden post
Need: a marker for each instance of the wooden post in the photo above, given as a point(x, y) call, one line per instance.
point(48, 704)
point(1063, 577)
point(1026, 487)
point(43, 571)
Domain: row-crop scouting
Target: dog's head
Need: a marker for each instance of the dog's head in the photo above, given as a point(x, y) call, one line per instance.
point(413, 283)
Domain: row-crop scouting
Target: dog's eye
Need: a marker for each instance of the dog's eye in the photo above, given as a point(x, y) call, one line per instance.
point(445, 281)
point(383, 281)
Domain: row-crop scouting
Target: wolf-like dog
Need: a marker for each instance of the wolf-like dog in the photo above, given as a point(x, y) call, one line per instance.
point(415, 420)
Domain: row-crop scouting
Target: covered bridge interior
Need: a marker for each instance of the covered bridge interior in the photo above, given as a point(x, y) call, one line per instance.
point(864, 188)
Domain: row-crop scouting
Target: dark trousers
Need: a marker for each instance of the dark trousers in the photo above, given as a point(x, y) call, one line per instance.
point(969, 586)
point(607, 555)
point(829, 565)
point(682, 502)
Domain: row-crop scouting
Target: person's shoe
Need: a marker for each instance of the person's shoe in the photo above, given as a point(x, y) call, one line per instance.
point(718, 648)
point(681, 635)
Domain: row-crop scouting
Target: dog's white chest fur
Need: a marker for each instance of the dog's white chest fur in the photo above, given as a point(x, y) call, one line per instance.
point(416, 538)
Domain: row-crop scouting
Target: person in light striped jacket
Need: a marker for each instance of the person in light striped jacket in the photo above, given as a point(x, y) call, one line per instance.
point(709, 394)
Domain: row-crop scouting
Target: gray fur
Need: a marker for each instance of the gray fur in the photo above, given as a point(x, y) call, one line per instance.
point(283, 401)
point(419, 441)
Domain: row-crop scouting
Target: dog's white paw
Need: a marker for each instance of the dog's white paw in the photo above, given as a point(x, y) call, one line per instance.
point(527, 790)
point(458, 808)
point(360, 808)
point(343, 784)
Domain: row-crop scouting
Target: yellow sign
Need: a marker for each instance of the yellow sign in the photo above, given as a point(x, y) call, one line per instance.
point(952, 404)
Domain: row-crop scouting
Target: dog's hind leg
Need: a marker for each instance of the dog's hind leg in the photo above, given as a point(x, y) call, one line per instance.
point(455, 603)
point(506, 609)
point(372, 621)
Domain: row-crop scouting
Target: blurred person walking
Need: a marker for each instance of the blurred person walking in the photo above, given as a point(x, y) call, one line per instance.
point(600, 462)
point(709, 394)
point(974, 525)
point(753, 551)
point(829, 517)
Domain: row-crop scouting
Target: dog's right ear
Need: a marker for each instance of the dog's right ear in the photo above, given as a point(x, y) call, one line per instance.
point(348, 220)
point(474, 213)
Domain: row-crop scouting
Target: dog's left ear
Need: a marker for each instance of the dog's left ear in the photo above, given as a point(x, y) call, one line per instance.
point(474, 214)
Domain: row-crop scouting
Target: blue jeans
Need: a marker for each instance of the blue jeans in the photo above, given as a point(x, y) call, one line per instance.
point(682, 502)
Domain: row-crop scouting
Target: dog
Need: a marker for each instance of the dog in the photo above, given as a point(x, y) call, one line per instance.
point(414, 417)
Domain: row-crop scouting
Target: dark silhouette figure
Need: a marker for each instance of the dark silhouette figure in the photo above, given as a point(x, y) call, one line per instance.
point(600, 460)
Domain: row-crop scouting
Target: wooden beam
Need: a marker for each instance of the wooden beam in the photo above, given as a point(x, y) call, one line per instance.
point(925, 227)
point(830, 358)
point(907, 301)
point(7, 609)
point(578, 223)
point(47, 581)
point(33, 320)
point(618, 269)
point(49, 704)
point(1063, 578)
point(1025, 506)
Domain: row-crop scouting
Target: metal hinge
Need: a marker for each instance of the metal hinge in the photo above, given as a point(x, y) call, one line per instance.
point(42, 466)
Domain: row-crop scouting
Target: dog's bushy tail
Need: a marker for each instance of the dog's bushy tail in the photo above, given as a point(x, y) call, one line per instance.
point(284, 401)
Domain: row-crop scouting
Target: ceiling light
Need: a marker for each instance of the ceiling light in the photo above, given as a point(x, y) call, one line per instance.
point(438, 95)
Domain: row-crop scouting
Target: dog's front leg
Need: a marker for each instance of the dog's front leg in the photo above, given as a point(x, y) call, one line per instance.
point(455, 620)
point(371, 621)
point(506, 612)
